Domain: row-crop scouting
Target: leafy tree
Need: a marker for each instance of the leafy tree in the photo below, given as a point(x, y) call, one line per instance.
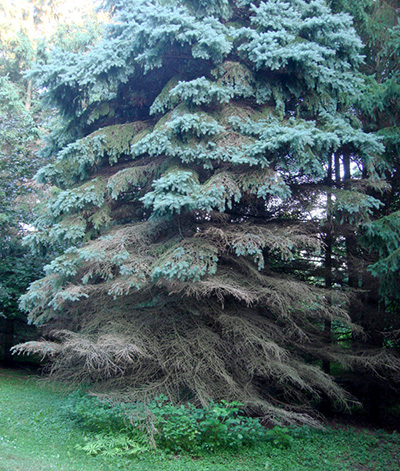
point(18, 141)
point(197, 144)
point(21, 123)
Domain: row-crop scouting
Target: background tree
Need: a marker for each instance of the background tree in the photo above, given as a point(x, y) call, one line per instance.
point(23, 26)
point(18, 142)
point(197, 142)
point(373, 259)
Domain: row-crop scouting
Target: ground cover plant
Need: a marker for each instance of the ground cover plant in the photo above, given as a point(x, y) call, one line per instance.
point(132, 429)
point(36, 435)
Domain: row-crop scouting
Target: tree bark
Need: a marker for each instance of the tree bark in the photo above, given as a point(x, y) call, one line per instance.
point(326, 406)
point(328, 259)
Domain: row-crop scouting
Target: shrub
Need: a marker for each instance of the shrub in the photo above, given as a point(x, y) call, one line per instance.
point(94, 415)
point(188, 428)
point(131, 429)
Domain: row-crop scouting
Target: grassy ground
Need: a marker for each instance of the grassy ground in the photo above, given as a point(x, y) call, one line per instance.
point(34, 436)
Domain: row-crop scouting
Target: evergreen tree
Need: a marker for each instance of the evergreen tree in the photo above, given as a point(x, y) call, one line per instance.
point(373, 252)
point(196, 146)
point(379, 111)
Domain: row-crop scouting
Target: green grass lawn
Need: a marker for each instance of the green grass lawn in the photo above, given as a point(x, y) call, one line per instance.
point(35, 436)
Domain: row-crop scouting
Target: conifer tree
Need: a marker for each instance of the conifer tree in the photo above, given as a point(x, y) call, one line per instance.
point(373, 256)
point(195, 149)
point(378, 108)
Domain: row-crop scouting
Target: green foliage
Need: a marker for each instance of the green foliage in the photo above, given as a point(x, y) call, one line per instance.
point(114, 444)
point(107, 427)
point(382, 236)
point(188, 428)
point(378, 108)
point(18, 135)
point(384, 233)
point(18, 142)
point(187, 262)
point(72, 200)
point(17, 270)
point(34, 432)
point(74, 37)
point(202, 91)
point(75, 162)
point(294, 36)
point(129, 429)
point(354, 206)
point(94, 415)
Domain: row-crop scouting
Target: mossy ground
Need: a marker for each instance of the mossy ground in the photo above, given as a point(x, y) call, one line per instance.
point(35, 436)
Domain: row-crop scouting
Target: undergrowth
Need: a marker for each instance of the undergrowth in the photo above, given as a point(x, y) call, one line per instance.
point(132, 429)
point(44, 429)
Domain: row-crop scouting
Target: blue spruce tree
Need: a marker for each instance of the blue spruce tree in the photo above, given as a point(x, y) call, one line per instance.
point(190, 175)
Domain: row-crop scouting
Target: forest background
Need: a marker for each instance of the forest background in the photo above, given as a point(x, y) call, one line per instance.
point(319, 238)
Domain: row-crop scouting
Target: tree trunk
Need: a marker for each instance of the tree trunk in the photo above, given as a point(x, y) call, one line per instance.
point(326, 406)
